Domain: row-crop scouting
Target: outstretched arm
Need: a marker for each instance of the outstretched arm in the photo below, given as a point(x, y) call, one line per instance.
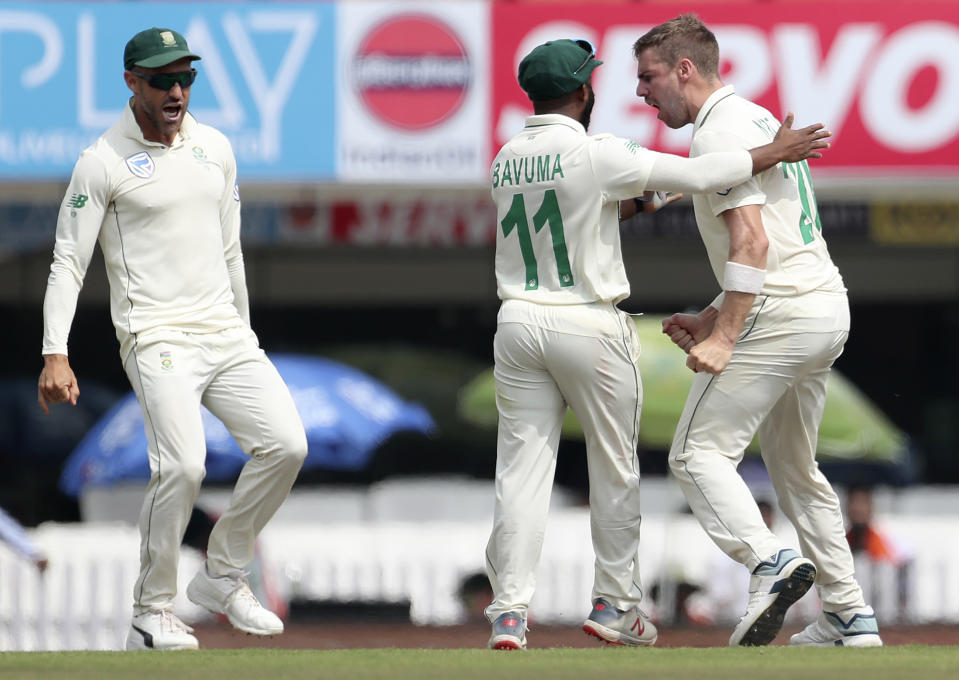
point(720, 170)
point(12, 533)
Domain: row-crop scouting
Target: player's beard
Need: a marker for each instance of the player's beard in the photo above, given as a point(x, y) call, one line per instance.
point(152, 111)
point(675, 114)
point(584, 117)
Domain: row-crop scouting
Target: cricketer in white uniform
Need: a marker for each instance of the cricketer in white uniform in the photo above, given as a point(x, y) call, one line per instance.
point(762, 351)
point(561, 341)
point(158, 192)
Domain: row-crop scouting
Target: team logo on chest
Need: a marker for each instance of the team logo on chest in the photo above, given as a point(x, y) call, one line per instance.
point(141, 164)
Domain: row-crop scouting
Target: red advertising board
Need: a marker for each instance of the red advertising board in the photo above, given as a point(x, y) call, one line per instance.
point(882, 76)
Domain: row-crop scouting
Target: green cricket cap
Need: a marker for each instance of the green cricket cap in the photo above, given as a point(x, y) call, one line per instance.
point(556, 68)
point(155, 47)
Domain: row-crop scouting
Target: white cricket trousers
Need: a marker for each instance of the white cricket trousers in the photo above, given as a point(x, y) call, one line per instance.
point(583, 356)
point(775, 385)
point(228, 373)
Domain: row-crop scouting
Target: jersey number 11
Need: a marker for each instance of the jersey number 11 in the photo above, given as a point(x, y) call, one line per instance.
point(548, 213)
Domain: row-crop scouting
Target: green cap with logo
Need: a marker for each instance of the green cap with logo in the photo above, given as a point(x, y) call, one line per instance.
point(156, 47)
point(556, 68)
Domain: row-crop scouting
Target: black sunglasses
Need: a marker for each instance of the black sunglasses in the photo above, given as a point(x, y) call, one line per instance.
point(166, 81)
point(589, 49)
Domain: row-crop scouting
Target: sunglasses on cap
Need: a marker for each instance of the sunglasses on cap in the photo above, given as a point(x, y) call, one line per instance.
point(166, 81)
point(589, 49)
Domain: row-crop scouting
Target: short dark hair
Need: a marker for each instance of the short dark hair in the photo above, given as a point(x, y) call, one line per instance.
point(549, 105)
point(685, 37)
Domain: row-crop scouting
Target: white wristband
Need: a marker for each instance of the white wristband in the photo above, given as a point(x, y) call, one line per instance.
point(742, 278)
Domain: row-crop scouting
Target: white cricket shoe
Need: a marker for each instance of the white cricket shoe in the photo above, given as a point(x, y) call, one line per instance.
point(853, 627)
point(231, 595)
point(620, 627)
point(160, 629)
point(774, 587)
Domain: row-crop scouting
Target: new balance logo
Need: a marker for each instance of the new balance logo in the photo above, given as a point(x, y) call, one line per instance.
point(78, 200)
point(638, 626)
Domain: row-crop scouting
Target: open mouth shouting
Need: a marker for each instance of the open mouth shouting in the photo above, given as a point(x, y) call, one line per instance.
point(172, 112)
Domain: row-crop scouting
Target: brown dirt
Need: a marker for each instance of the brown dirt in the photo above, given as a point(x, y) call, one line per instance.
point(406, 635)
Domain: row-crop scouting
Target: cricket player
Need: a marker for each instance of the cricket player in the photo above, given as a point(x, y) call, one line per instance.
point(158, 191)
point(561, 341)
point(762, 351)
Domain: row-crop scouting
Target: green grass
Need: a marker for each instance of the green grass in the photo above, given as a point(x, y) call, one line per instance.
point(913, 662)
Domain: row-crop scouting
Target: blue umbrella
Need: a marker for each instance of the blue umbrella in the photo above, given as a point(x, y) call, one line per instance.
point(346, 413)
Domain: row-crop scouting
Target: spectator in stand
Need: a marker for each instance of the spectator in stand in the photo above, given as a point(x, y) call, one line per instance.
point(474, 594)
point(876, 552)
point(863, 536)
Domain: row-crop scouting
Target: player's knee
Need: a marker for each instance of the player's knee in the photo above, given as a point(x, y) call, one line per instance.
point(186, 474)
point(292, 446)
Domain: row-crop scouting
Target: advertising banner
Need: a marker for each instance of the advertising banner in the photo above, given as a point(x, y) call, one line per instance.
point(266, 80)
point(882, 76)
point(401, 92)
point(415, 221)
point(413, 91)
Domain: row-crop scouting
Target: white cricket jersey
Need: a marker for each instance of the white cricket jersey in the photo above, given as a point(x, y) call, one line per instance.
point(168, 223)
point(557, 193)
point(798, 261)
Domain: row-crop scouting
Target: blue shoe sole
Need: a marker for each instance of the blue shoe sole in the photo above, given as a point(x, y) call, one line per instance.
point(768, 624)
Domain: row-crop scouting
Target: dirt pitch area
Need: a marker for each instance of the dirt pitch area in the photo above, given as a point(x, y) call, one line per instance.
point(406, 635)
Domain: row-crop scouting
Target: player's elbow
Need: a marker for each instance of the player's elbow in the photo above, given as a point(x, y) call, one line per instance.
point(66, 270)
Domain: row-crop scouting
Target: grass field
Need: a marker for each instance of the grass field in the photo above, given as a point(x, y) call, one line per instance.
point(783, 663)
